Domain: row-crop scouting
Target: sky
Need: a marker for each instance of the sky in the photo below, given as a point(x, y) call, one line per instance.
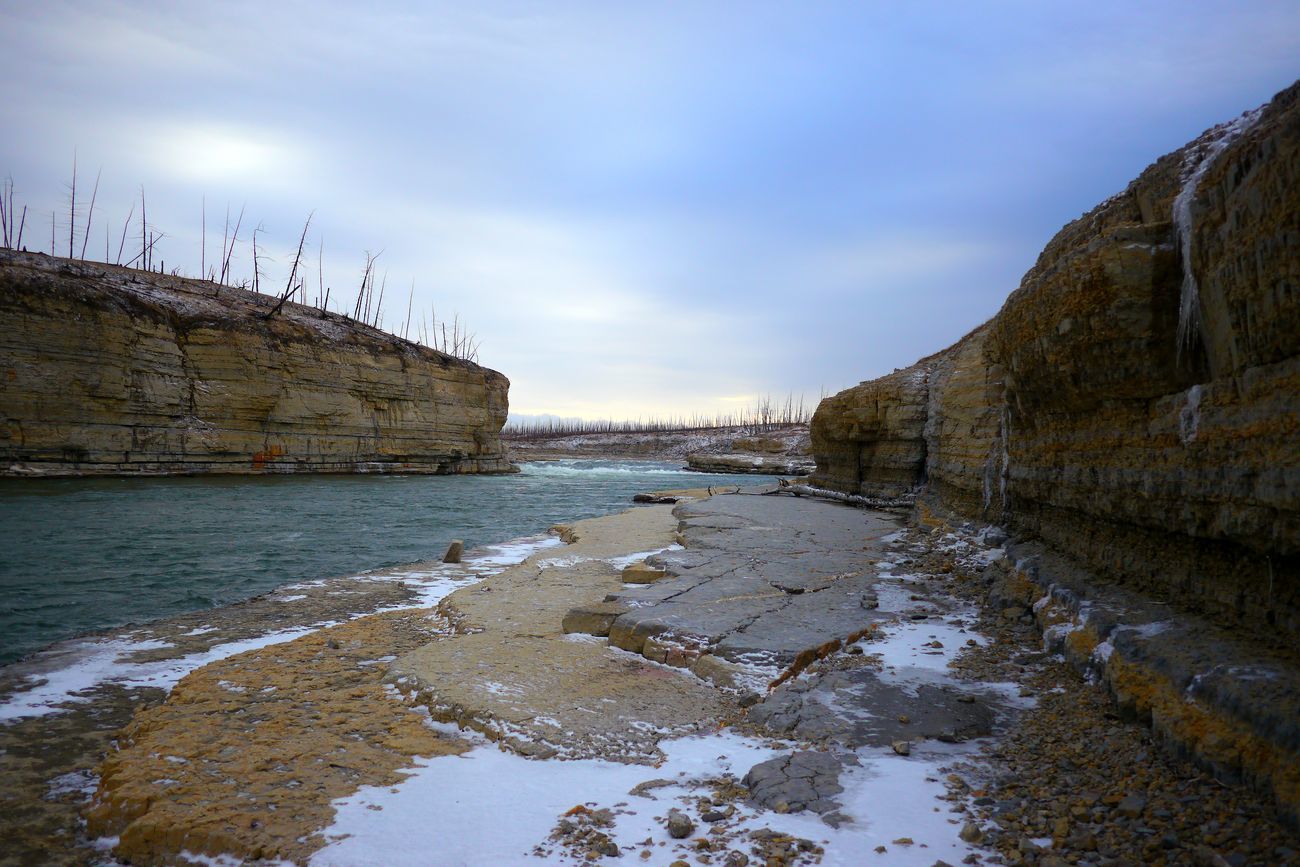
point(638, 209)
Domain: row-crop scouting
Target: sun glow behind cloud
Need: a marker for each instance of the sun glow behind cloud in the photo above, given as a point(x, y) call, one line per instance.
point(217, 155)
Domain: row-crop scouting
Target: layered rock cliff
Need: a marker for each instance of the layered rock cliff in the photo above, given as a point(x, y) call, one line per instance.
point(1132, 416)
point(1136, 402)
point(106, 370)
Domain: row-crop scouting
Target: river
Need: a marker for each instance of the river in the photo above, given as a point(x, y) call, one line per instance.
point(80, 555)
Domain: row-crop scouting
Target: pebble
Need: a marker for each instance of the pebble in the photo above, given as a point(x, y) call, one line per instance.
point(1074, 773)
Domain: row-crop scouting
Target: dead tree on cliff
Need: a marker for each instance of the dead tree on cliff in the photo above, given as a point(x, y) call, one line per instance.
point(126, 225)
point(291, 287)
point(227, 252)
point(90, 215)
point(12, 239)
point(367, 285)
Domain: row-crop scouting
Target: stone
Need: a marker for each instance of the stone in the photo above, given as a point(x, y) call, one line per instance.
point(642, 573)
point(903, 748)
point(720, 673)
point(592, 618)
point(642, 790)
point(1131, 806)
point(115, 371)
point(679, 825)
point(454, 551)
point(738, 589)
point(798, 781)
point(510, 672)
point(655, 498)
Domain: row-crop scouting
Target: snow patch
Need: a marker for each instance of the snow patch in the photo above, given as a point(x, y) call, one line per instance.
point(95, 662)
point(452, 805)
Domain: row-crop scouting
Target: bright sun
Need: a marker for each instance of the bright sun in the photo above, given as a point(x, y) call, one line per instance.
point(222, 154)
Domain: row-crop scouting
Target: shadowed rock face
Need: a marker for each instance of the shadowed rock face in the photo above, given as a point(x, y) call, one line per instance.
point(1136, 402)
point(105, 370)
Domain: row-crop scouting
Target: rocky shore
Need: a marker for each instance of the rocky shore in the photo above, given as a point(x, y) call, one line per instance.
point(877, 692)
point(1062, 633)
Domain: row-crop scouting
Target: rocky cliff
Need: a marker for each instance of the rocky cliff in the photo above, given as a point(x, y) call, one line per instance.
point(1132, 417)
point(107, 370)
point(1136, 402)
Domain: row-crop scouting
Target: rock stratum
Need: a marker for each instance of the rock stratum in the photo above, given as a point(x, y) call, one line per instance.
point(1132, 416)
point(1080, 415)
point(111, 371)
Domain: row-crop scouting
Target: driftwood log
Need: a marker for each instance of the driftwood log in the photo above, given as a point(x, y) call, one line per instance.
point(800, 490)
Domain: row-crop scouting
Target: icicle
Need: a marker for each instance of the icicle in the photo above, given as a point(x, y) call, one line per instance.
point(1006, 453)
point(989, 470)
point(1189, 417)
point(1195, 165)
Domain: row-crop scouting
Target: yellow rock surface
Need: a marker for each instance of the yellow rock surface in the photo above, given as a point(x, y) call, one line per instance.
point(106, 370)
point(247, 753)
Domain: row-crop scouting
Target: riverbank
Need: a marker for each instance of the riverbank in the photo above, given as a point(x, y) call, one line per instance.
point(767, 449)
point(629, 681)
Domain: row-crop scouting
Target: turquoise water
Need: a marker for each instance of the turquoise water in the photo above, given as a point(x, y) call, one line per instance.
point(78, 555)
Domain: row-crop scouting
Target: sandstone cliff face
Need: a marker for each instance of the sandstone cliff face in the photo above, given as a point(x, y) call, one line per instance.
point(104, 370)
point(1136, 402)
point(869, 439)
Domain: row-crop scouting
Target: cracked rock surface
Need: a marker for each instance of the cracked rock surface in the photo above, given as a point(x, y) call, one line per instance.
point(802, 780)
point(511, 672)
point(856, 709)
point(765, 577)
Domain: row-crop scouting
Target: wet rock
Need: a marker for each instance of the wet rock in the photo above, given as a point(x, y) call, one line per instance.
point(642, 573)
point(454, 551)
point(662, 499)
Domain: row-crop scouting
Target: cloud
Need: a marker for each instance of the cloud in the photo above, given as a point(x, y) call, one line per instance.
point(220, 155)
point(636, 208)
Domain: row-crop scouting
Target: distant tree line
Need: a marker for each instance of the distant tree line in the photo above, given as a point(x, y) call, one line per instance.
point(765, 415)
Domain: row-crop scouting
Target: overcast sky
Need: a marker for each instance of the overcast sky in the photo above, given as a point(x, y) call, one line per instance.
point(639, 209)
